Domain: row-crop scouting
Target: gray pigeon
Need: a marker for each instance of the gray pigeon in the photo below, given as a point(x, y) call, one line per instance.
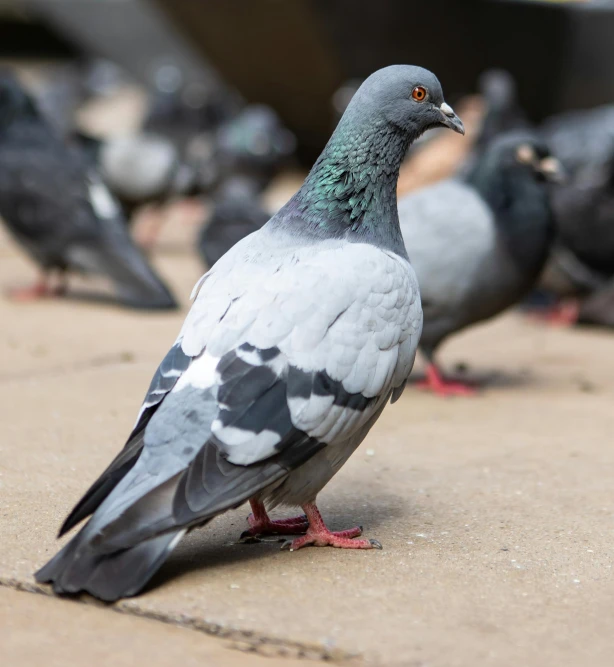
point(477, 245)
point(55, 204)
point(296, 341)
point(143, 168)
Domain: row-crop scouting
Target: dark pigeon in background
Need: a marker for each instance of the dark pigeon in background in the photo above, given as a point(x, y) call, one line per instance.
point(503, 112)
point(236, 212)
point(583, 263)
point(55, 205)
point(250, 151)
point(181, 114)
point(479, 244)
point(171, 156)
point(255, 143)
point(297, 340)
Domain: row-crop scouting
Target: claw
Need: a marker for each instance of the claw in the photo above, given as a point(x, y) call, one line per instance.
point(376, 544)
point(247, 537)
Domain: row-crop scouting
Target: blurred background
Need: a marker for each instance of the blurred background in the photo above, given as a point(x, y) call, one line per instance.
point(295, 56)
point(203, 117)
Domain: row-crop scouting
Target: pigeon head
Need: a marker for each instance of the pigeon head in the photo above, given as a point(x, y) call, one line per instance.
point(351, 189)
point(511, 176)
point(15, 103)
point(406, 97)
point(521, 155)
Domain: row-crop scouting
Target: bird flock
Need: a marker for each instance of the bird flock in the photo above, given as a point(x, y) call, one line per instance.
point(308, 322)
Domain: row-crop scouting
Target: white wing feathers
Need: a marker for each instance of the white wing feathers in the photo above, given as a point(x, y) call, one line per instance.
point(313, 339)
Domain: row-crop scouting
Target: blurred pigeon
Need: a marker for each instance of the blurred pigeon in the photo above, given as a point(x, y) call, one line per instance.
point(144, 169)
point(254, 144)
point(584, 209)
point(236, 212)
point(56, 206)
point(181, 114)
point(582, 262)
point(503, 112)
point(249, 150)
point(296, 341)
point(173, 155)
point(478, 245)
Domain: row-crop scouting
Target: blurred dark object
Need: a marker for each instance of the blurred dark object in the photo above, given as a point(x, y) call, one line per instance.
point(132, 33)
point(150, 167)
point(502, 112)
point(598, 308)
point(250, 151)
point(197, 109)
point(54, 203)
point(236, 212)
point(60, 92)
point(255, 144)
point(583, 265)
point(299, 53)
point(25, 34)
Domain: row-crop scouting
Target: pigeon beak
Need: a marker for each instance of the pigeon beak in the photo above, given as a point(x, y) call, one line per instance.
point(450, 119)
point(552, 170)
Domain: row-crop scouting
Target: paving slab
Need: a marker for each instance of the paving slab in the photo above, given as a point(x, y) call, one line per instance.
point(496, 514)
point(37, 630)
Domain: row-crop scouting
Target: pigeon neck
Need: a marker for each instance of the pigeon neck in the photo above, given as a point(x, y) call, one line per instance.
point(351, 190)
point(521, 210)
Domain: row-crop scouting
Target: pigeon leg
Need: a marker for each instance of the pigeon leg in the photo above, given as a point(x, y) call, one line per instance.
point(147, 226)
point(319, 535)
point(563, 314)
point(436, 383)
point(260, 524)
point(40, 290)
point(61, 287)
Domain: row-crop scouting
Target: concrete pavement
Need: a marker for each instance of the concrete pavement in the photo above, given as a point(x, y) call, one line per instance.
point(496, 514)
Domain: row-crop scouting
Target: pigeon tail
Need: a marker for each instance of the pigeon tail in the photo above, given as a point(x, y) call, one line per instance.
point(107, 576)
point(137, 284)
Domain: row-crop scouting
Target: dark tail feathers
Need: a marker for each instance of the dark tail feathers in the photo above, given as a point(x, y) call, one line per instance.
point(136, 282)
point(108, 577)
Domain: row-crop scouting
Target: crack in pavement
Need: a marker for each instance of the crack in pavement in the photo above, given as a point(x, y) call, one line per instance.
point(241, 640)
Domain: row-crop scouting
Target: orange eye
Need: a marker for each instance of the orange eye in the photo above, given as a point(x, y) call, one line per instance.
point(419, 93)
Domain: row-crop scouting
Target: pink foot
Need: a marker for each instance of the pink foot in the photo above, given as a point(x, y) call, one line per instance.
point(36, 292)
point(260, 524)
point(563, 314)
point(436, 383)
point(319, 535)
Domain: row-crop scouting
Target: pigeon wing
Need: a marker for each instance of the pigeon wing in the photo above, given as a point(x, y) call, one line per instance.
point(285, 357)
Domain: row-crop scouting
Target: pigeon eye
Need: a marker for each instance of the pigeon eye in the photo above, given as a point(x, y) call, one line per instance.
point(419, 93)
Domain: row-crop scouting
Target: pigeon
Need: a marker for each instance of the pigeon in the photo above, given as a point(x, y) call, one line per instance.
point(249, 150)
point(296, 340)
point(478, 244)
point(503, 112)
point(144, 168)
point(254, 143)
point(56, 206)
point(236, 212)
point(584, 208)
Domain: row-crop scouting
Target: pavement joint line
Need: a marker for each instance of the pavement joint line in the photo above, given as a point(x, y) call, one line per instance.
point(246, 641)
